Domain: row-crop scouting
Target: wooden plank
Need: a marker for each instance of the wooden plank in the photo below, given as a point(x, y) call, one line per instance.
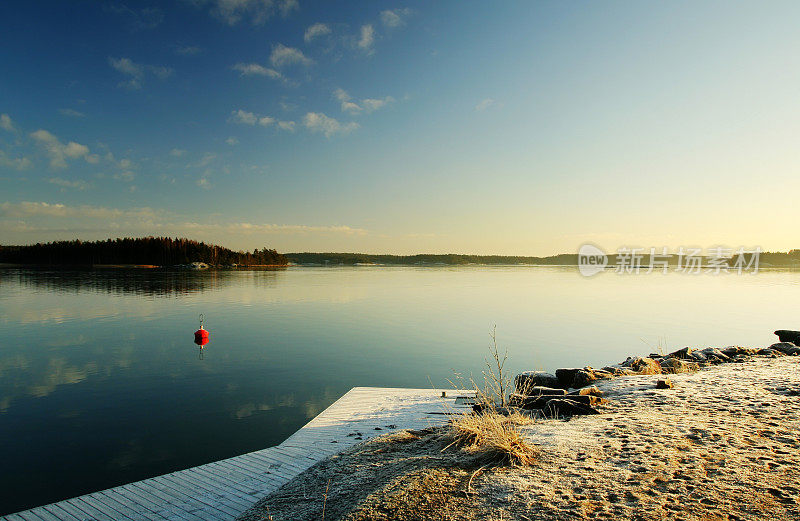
point(76, 513)
point(208, 503)
point(88, 509)
point(60, 513)
point(213, 495)
point(97, 505)
point(45, 515)
point(184, 507)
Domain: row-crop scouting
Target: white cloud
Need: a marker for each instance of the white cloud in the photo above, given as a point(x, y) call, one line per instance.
point(372, 104)
point(282, 55)
point(71, 113)
point(366, 105)
point(315, 31)
point(75, 150)
point(6, 123)
point(55, 218)
point(243, 117)
point(254, 69)
point(367, 39)
point(66, 183)
point(232, 141)
point(319, 122)
point(255, 11)
point(395, 17)
point(59, 152)
point(136, 72)
point(177, 152)
point(37, 209)
point(17, 163)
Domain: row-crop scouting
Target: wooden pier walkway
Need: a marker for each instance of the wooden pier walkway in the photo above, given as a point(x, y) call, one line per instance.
point(222, 490)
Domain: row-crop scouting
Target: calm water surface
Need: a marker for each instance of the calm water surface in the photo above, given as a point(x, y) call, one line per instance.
point(100, 383)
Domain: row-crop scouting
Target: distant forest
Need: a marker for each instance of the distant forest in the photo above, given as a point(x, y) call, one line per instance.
point(780, 259)
point(158, 251)
point(448, 259)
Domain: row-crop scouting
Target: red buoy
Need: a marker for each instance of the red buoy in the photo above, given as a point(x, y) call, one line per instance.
point(201, 335)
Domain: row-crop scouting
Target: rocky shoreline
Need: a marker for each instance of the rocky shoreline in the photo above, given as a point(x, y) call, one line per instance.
point(720, 443)
point(545, 395)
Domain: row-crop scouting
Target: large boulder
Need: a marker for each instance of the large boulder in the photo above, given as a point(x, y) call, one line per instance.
point(566, 377)
point(618, 371)
point(786, 335)
point(643, 365)
point(676, 365)
point(733, 351)
point(538, 390)
point(785, 348)
point(714, 355)
point(530, 379)
point(684, 354)
point(561, 408)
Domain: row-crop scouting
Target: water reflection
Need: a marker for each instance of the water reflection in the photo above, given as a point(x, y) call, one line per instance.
point(147, 282)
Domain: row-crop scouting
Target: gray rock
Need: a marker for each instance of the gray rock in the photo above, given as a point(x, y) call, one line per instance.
point(785, 348)
point(676, 365)
point(561, 408)
point(537, 390)
point(714, 355)
point(683, 354)
point(566, 377)
point(529, 379)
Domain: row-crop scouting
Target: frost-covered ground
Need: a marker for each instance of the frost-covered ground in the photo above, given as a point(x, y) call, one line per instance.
point(723, 444)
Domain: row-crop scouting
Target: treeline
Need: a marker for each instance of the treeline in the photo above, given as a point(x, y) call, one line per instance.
point(159, 251)
point(779, 259)
point(422, 259)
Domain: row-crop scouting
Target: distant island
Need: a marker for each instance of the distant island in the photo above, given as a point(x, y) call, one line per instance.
point(144, 251)
point(182, 252)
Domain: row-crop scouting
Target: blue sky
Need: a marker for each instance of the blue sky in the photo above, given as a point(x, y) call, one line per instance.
point(401, 127)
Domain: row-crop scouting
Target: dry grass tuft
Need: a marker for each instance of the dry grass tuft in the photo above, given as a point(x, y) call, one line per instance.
point(493, 436)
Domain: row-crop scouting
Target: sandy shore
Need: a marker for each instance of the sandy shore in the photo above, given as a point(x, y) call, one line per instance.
point(723, 444)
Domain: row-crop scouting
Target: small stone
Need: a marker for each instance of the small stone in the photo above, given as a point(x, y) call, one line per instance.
point(666, 383)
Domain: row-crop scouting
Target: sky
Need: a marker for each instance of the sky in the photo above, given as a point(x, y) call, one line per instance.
point(518, 128)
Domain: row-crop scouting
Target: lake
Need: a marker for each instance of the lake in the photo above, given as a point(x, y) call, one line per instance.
point(101, 384)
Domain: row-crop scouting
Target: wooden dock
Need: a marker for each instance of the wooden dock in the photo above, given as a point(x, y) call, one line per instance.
point(223, 490)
